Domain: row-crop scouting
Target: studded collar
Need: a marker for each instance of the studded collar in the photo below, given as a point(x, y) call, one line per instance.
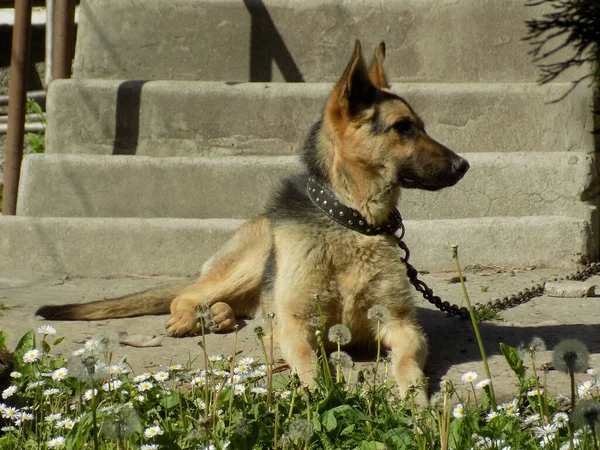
point(326, 201)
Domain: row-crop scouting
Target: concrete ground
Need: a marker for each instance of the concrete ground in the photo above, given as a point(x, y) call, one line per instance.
point(453, 348)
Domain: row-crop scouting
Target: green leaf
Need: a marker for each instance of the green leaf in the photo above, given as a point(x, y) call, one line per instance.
point(3, 339)
point(372, 446)
point(348, 430)
point(329, 421)
point(26, 343)
point(169, 401)
point(45, 347)
point(58, 340)
point(33, 107)
point(513, 359)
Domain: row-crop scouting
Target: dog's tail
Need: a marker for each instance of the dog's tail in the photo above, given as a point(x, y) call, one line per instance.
point(151, 302)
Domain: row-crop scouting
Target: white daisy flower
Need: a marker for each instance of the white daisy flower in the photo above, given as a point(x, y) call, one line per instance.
point(199, 403)
point(531, 420)
point(9, 391)
point(46, 330)
point(149, 447)
point(10, 412)
point(483, 383)
point(31, 356)
point(153, 431)
point(91, 344)
point(15, 374)
point(50, 392)
point(198, 380)
point(26, 416)
point(60, 374)
point(144, 386)
point(56, 442)
point(141, 377)
point(176, 367)
point(161, 376)
point(458, 412)
point(112, 385)
point(246, 361)
point(67, 424)
point(221, 373)
point(546, 430)
point(491, 415)
point(215, 358)
point(259, 390)
point(547, 440)
point(560, 419)
point(35, 384)
point(79, 352)
point(140, 398)
point(239, 389)
point(118, 369)
point(585, 389)
point(510, 408)
point(534, 392)
point(241, 369)
point(90, 394)
point(469, 377)
point(53, 417)
point(285, 394)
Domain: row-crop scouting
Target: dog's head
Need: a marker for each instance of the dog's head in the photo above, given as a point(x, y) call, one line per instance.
point(374, 141)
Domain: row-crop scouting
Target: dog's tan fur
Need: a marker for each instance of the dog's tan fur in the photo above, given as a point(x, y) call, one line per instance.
point(365, 145)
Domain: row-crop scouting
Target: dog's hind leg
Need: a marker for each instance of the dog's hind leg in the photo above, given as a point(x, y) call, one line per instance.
point(230, 283)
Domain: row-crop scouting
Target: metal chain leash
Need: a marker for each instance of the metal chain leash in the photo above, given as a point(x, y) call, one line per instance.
point(497, 304)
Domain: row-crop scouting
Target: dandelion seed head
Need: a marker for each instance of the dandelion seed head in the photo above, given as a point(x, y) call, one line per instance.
point(314, 323)
point(341, 359)
point(123, 422)
point(586, 413)
point(378, 313)
point(258, 330)
point(339, 334)
point(86, 367)
point(571, 355)
point(300, 430)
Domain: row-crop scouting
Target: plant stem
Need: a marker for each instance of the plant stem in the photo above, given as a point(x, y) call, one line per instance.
point(475, 326)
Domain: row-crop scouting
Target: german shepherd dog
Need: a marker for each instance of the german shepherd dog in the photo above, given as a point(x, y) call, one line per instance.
point(326, 232)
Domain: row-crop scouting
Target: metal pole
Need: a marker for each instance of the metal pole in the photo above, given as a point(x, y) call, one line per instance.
point(64, 24)
point(49, 42)
point(17, 91)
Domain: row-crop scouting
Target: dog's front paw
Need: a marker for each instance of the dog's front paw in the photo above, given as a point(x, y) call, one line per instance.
point(183, 323)
point(223, 318)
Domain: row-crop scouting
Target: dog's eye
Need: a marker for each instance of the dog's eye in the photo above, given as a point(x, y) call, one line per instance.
point(404, 127)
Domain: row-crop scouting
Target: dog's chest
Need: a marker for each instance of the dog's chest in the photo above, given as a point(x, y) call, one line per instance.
point(368, 271)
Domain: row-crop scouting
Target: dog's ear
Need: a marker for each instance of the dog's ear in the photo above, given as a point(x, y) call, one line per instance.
point(376, 71)
point(354, 91)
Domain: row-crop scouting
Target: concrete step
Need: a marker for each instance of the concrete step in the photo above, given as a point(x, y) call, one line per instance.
point(163, 118)
point(101, 247)
point(310, 40)
point(498, 184)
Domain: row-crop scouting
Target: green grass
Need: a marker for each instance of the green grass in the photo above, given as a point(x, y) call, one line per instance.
point(209, 407)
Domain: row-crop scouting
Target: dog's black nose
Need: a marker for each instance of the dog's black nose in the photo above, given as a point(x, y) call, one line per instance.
point(460, 165)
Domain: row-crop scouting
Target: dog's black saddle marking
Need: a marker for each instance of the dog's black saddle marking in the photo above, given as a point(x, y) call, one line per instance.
point(326, 201)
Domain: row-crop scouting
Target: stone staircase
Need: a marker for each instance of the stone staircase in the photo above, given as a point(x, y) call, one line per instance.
point(150, 177)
